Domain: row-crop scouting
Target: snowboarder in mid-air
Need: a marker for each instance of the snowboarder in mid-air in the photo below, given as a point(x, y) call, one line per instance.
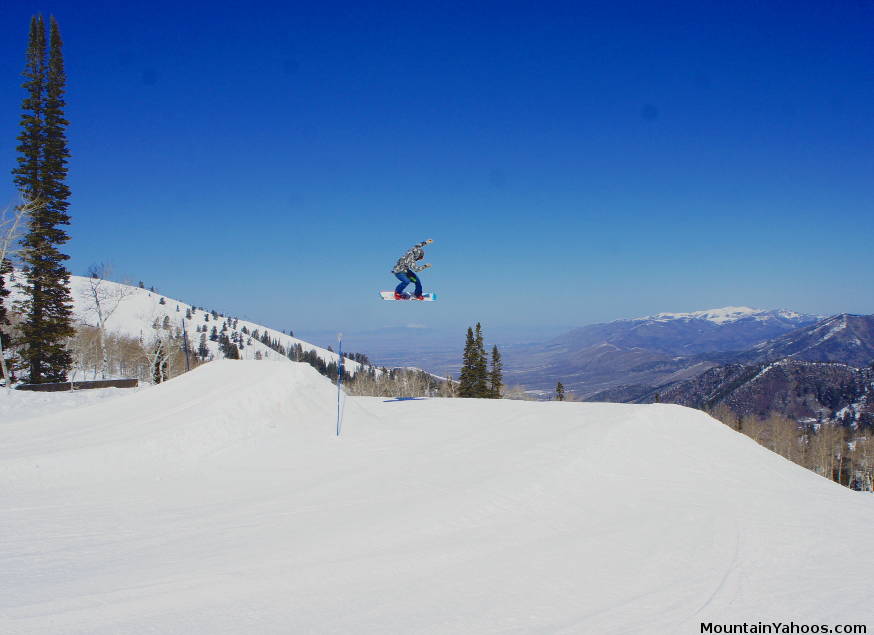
point(406, 269)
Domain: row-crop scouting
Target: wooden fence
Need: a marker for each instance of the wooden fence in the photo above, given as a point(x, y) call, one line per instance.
point(80, 385)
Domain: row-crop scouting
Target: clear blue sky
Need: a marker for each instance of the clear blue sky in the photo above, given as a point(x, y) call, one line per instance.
point(573, 162)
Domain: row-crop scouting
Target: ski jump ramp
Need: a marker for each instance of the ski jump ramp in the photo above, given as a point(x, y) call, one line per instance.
point(222, 502)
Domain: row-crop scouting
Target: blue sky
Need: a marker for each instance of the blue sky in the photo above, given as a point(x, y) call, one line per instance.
point(573, 162)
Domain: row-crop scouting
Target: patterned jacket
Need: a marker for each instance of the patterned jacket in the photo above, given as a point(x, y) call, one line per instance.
point(408, 260)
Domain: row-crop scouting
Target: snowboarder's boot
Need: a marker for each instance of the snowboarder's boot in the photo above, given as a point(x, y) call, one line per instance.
point(401, 296)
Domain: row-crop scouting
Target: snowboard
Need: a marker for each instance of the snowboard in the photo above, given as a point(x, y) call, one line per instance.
point(390, 295)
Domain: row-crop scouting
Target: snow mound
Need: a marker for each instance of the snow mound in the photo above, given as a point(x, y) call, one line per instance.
point(167, 426)
point(222, 502)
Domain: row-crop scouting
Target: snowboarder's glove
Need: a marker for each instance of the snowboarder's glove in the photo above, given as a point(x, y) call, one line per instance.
point(428, 242)
point(426, 265)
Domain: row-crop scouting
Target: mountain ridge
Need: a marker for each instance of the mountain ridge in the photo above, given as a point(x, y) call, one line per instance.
point(650, 350)
point(820, 372)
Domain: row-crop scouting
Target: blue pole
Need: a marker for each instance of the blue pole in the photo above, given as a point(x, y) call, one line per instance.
point(339, 378)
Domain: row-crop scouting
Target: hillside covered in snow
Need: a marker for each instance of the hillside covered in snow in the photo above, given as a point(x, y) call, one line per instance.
point(146, 315)
point(221, 501)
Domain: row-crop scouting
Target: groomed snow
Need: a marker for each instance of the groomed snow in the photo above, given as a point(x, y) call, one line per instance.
point(222, 502)
point(24, 404)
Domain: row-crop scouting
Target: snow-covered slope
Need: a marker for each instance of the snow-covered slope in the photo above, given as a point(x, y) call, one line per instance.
point(140, 309)
point(222, 502)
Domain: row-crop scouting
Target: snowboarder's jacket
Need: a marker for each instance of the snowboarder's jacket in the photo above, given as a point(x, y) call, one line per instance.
point(407, 262)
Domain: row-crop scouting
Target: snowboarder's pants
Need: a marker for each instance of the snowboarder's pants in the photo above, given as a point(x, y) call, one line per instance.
point(406, 278)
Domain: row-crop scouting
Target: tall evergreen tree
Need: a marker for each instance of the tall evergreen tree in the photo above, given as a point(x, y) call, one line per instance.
point(40, 175)
point(27, 173)
point(559, 391)
point(475, 379)
point(481, 373)
point(467, 381)
point(496, 374)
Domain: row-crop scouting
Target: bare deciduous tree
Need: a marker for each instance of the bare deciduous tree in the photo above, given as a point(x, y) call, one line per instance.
point(785, 437)
point(862, 454)
point(447, 388)
point(102, 298)
point(11, 222)
point(518, 393)
point(163, 351)
point(126, 355)
point(397, 382)
point(755, 429)
point(826, 450)
point(722, 412)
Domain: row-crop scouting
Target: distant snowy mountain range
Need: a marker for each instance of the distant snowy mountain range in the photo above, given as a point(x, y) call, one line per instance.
point(842, 338)
point(822, 371)
point(726, 329)
point(728, 314)
point(818, 372)
point(650, 350)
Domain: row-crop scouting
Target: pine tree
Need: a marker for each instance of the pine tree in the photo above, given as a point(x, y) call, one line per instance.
point(228, 348)
point(30, 148)
point(481, 373)
point(475, 380)
point(202, 349)
point(496, 374)
point(40, 176)
point(467, 382)
point(559, 391)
